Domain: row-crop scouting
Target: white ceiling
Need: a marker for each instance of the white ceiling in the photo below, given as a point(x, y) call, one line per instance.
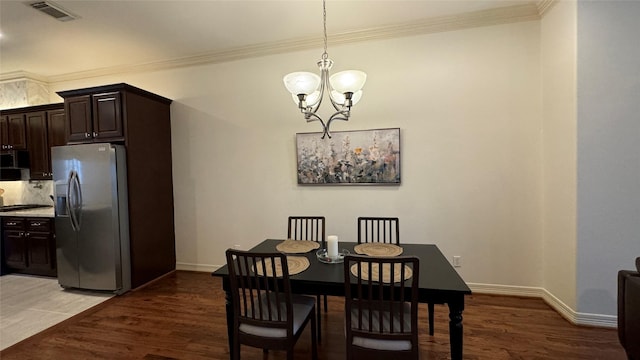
point(116, 34)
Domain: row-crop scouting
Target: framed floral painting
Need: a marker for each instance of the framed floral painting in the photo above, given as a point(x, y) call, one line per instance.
point(361, 157)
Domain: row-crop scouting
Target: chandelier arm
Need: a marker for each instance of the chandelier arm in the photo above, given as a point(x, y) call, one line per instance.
point(323, 85)
point(340, 115)
point(326, 85)
point(309, 116)
point(336, 105)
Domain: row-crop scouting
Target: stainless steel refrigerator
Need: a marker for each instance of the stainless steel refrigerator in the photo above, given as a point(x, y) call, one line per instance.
point(91, 217)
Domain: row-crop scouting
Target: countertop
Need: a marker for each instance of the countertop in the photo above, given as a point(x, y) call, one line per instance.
point(39, 212)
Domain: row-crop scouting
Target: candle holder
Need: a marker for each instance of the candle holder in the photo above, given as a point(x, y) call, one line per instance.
point(325, 258)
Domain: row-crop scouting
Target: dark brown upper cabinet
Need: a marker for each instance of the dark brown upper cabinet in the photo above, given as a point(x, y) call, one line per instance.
point(13, 132)
point(55, 128)
point(38, 149)
point(94, 118)
point(45, 129)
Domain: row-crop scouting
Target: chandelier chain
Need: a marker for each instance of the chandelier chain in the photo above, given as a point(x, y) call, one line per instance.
point(324, 22)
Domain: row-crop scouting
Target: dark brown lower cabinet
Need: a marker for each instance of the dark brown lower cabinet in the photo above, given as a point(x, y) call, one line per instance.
point(29, 246)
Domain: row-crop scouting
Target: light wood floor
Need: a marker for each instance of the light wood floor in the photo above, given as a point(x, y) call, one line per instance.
point(182, 316)
point(30, 304)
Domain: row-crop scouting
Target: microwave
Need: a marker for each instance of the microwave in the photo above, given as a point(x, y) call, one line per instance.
point(14, 159)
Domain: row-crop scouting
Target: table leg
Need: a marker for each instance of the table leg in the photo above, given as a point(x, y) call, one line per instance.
point(229, 309)
point(431, 309)
point(455, 328)
point(319, 319)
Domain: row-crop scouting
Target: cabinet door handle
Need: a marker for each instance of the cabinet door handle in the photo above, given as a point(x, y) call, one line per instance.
point(36, 224)
point(26, 234)
point(87, 135)
point(11, 223)
point(95, 134)
point(21, 233)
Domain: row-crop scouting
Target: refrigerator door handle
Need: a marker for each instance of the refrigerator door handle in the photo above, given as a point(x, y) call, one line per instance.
point(78, 200)
point(69, 202)
point(74, 200)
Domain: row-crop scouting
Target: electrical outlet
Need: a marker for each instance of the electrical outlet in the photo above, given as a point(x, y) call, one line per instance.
point(457, 261)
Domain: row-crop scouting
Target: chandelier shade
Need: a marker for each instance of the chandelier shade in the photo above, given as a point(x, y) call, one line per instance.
point(348, 81)
point(307, 89)
point(301, 82)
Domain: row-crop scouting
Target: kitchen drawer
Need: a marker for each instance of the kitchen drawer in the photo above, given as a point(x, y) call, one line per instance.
point(13, 223)
point(38, 224)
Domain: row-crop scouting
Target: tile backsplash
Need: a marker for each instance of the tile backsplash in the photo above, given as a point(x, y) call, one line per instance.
point(23, 92)
point(27, 192)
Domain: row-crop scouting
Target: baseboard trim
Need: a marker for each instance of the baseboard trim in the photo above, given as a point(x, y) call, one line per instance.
point(576, 318)
point(197, 267)
point(505, 290)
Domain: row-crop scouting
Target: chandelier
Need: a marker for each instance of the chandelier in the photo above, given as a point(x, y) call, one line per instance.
point(308, 89)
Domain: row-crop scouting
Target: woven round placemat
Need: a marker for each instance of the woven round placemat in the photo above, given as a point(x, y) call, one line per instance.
point(296, 264)
point(386, 272)
point(378, 249)
point(297, 246)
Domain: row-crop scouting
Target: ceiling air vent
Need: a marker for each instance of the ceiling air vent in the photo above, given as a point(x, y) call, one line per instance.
point(54, 10)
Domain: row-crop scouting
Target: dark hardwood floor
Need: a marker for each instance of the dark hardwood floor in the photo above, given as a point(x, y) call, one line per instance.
point(182, 316)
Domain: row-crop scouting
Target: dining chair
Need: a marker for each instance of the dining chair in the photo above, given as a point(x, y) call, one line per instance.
point(386, 230)
point(265, 312)
point(381, 307)
point(310, 228)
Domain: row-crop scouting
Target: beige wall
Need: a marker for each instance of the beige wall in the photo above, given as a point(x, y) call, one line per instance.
point(558, 34)
point(467, 103)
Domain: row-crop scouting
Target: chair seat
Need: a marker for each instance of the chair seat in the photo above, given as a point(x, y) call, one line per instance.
point(379, 344)
point(302, 305)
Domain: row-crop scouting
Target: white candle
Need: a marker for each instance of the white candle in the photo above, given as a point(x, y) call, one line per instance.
point(332, 246)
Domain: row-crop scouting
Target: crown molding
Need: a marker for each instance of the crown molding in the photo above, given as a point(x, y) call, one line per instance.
point(544, 6)
point(504, 15)
point(23, 75)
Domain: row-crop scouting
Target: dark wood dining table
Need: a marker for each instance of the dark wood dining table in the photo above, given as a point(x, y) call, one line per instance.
point(439, 283)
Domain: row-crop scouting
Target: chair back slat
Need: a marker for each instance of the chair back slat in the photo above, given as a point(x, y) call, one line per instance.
point(309, 228)
point(379, 229)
